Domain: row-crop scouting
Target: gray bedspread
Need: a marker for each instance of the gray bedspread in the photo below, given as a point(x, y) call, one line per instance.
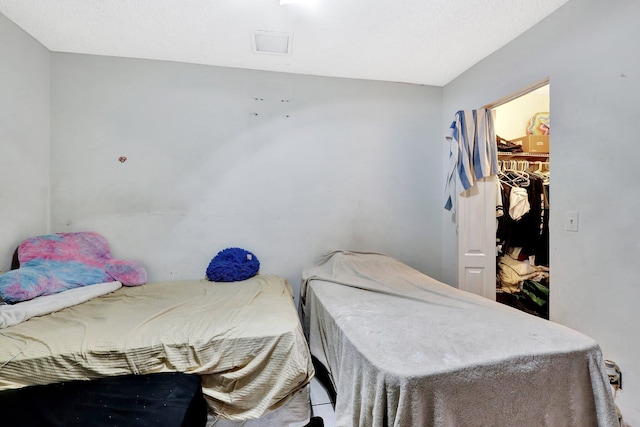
point(403, 349)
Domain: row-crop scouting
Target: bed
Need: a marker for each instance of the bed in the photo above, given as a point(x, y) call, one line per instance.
point(242, 339)
point(167, 399)
point(402, 349)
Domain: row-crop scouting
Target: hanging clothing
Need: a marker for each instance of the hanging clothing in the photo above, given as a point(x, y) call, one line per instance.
point(531, 231)
point(485, 156)
point(459, 177)
point(473, 152)
point(518, 203)
point(499, 205)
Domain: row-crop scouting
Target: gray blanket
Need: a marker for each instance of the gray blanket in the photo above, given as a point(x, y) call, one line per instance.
point(403, 349)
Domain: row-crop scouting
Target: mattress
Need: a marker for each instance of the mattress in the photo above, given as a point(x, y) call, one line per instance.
point(403, 349)
point(243, 339)
point(296, 412)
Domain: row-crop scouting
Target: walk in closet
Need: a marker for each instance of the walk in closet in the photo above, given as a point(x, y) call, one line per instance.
point(522, 203)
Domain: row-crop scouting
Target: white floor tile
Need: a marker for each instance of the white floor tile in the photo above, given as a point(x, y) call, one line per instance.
point(326, 412)
point(319, 395)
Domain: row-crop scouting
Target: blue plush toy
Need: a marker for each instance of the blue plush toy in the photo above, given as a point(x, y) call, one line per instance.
point(231, 265)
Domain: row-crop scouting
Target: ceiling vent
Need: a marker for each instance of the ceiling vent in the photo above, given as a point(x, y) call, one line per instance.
point(271, 42)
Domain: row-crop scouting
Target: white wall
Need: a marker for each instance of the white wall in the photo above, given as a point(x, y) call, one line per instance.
point(588, 49)
point(340, 163)
point(24, 138)
point(512, 119)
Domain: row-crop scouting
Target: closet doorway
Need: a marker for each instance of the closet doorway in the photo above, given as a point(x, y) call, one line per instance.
point(477, 215)
point(522, 129)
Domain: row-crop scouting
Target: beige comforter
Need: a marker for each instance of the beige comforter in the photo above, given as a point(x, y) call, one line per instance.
point(243, 338)
point(406, 350)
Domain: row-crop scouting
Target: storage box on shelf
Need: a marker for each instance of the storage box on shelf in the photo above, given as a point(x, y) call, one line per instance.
point(533, 143)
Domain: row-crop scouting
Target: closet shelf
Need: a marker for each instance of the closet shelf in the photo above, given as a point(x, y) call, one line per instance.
point(507, 155)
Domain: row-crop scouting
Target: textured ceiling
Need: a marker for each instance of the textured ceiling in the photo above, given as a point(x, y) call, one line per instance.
point(413, 41)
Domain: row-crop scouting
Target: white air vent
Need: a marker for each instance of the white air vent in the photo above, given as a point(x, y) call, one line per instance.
point(271, 42)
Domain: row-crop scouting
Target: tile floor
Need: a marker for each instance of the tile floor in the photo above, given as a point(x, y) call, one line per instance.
point(321, 404)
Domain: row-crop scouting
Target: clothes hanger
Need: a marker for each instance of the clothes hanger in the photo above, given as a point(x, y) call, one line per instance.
point(523, 165)
point(514, 177)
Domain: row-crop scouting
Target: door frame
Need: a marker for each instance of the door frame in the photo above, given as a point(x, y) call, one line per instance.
point(476, 224)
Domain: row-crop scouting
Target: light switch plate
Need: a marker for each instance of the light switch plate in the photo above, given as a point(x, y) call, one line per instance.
point(571, 220)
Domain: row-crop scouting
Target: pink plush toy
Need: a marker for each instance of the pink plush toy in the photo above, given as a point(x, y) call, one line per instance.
point(57, 262)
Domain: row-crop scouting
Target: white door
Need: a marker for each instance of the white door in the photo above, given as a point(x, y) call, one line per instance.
point(476, 219)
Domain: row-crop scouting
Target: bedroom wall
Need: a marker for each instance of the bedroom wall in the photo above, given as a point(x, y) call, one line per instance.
point(24, 138)
point(286, 166)
point(587, 49)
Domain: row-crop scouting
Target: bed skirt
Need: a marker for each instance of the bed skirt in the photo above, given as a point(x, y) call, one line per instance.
point(159, 400)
